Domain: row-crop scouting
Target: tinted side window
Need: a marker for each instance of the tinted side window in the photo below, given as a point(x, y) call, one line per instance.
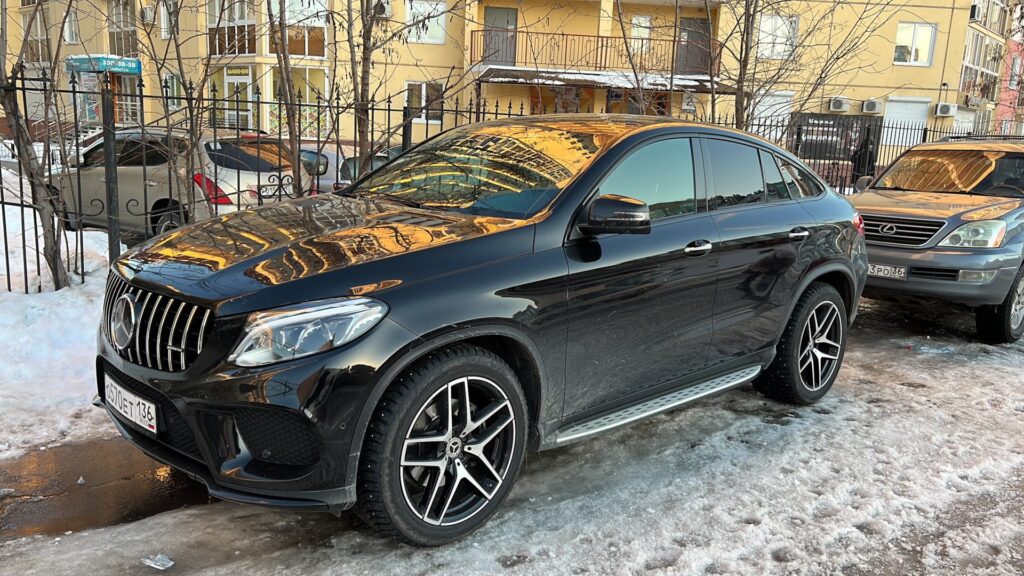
point(94, 157)
point(801, 183)
point(737, 175)
point(773, 183)
point(660, 175)
point(135, 154)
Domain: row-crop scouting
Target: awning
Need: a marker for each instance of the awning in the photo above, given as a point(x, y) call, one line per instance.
point(620, 79)
point(105, 63)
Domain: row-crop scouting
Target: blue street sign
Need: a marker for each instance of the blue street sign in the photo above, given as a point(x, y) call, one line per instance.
point(115, 64)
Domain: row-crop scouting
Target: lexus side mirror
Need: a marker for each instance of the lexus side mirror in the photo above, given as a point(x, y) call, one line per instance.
point(862, 183)
point(614, 214)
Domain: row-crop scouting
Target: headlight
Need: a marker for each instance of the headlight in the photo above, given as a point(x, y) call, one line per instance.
point(981, 234)
point(296, 331)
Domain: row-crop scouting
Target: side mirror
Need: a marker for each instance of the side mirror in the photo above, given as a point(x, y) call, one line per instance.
point(862, 183)
point(614, 214)
point(74, 161)
point(321, 166)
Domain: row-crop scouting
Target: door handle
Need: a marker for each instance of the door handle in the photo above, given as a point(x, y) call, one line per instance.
point(152, 183)
point(799, 234)
point(103, 180)
point(698, 248)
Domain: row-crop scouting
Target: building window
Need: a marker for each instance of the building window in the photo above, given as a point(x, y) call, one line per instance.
point(305, 28)
point(71, 35)
point(992, 14)
point(983, 59)
point(426, 18)
point(426, 99)
point(123, 38)
point(914, 43)
point(776, 36)
point(173, 91)
point(642, 26)
point(232, 27)
point(168, 18)
point(1015, 69)
point(37, 46)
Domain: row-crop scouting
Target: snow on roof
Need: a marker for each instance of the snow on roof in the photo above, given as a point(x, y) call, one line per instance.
point(607, 78)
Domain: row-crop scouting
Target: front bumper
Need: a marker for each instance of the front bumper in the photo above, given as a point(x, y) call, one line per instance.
point(932, 273)
point(281, 436)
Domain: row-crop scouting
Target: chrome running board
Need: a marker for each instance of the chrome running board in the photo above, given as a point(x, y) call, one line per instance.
point(658, 404)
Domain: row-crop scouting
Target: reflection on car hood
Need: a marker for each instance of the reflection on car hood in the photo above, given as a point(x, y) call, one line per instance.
point(282, 244)
point(934, 205)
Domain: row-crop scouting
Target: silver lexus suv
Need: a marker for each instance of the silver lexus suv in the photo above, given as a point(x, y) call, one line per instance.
point(945, 221)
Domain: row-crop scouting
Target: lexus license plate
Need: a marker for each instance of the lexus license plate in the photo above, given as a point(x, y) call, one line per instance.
point(888, 271)
point(132, 407)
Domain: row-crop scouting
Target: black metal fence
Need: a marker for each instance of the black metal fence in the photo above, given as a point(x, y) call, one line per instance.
point(135, 164)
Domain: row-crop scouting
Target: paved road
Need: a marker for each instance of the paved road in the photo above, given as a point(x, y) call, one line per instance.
point(914, 464)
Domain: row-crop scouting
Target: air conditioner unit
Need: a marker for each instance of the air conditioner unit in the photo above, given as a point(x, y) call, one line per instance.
point(945, 109)
point(975, 13)
point(838, 104)
point(148, 15)
point(871, 107)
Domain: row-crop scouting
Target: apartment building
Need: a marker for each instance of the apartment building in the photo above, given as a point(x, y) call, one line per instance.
point(936, 62)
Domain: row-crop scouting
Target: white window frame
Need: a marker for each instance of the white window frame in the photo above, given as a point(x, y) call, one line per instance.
point(423, 117)
point(770, 44)
point(641, 26)
point(238, 12)
point(432, 10)
point(165, 7)
point(175, 91)
point(72, 33)
point(913, 40)
point(36, 36)
point(1013, 82)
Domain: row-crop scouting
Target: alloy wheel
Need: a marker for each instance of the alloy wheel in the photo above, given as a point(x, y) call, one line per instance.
point(820, 345)
point(457, 451)
point(1017, 307)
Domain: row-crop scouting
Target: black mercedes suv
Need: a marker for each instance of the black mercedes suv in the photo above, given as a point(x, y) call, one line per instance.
point(506, 286)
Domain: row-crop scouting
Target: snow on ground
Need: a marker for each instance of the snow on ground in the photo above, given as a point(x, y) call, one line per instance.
point(47, 379)
point(914, 464)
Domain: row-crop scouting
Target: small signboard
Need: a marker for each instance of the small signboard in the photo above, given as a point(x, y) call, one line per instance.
point(99, 64)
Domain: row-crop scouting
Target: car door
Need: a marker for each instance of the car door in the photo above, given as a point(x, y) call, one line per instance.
point(142, 182)
point(640, 305)
point(85, 186)
point(761, 261)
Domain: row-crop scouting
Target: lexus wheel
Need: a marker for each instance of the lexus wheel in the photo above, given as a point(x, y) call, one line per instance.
point(1004, 323)
point(810, 352)
point(444, 447)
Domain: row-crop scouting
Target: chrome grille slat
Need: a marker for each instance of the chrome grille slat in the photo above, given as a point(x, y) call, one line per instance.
point(153, 312)
point(910, 232)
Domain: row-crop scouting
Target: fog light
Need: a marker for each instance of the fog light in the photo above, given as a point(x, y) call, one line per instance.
point(977, 275)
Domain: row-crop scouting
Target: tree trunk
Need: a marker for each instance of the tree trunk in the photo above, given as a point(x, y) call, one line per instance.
point(43, 200)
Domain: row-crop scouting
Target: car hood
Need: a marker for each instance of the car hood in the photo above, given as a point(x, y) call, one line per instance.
point(316, 247)
point(934, 205)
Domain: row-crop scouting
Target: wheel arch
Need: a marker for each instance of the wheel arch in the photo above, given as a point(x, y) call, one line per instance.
point(522, 355)
point(161, 205)
point(836, 274)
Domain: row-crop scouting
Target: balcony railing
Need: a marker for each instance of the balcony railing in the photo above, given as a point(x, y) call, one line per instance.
point(524, 49)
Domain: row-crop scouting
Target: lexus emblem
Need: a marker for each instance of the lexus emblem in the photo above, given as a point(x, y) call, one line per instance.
point(887, 229)
point(122, 321)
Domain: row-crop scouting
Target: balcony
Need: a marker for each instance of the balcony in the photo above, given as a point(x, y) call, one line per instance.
point(232, 40)
point(544, 50)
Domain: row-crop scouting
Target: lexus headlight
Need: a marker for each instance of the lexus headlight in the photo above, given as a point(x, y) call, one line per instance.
point(981, 234)
point(296, 331)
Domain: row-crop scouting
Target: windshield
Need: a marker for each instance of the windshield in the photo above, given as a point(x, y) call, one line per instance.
point(509, 170)
point(250, 155)
point(986, 172)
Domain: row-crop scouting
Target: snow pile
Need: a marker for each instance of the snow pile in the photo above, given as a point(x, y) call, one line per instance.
point(914, 464)
point(47, 378)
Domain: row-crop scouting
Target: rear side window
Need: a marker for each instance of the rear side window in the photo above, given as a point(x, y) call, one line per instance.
point(660, 175)
point(736, 171)
point(249, 155)
point(134, 153)
point(800, 183)
point(774, 185)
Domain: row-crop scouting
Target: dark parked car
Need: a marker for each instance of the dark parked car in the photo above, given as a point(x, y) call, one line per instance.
point(506, 286)
point(946, 221)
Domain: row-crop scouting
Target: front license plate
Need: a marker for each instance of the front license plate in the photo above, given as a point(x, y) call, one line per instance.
point(887, 271)
point(129, 405)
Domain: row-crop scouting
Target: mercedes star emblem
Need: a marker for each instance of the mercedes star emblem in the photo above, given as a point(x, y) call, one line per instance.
point(122, 321)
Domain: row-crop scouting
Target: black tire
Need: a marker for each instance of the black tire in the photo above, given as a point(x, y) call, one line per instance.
point(169, 219)
point(387, 488)
point(788, 379)
point(999, 324)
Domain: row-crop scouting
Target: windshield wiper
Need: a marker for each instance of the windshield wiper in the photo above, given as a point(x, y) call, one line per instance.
point(896, 188)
